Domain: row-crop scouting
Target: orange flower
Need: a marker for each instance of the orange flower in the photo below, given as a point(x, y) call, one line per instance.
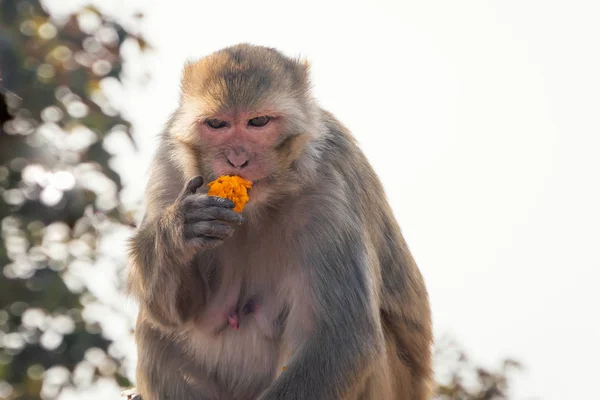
point(234, 188)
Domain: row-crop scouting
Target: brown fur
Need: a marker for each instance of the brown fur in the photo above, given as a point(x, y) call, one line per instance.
point(339, 299)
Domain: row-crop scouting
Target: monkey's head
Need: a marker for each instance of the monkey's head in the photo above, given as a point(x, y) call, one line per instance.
point(246, 110)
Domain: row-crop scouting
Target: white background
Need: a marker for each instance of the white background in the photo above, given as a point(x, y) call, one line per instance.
point(482, 119)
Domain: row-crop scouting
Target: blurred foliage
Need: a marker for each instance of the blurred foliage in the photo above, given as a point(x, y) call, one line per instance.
point(57, 191)
point(461, 379)
point(58, 194)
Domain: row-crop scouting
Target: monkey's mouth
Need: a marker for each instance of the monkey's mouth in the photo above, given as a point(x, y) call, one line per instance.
point(262, 181)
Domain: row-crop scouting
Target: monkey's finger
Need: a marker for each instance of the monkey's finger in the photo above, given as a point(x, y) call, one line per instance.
point(193, 184)
point(200, 202)
point(211, 229)
point(214, 213)
point(218, 201)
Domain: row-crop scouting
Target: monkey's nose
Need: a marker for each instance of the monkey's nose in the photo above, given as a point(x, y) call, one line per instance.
point(237, 160)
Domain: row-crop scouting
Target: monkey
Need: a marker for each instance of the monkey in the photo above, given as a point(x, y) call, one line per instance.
point(311, 292)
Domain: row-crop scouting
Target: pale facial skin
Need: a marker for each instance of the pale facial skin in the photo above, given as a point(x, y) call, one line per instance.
point(243, 140)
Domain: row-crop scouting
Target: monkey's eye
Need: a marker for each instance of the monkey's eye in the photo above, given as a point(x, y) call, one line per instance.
point(216, 123)
point(259, 121)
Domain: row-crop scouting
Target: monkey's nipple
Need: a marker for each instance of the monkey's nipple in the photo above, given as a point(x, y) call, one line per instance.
point(233, 320)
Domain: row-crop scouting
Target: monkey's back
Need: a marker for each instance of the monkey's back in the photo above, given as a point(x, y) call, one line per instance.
point(404, 306)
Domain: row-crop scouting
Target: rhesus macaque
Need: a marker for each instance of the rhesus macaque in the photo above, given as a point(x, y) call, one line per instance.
point(311, 292)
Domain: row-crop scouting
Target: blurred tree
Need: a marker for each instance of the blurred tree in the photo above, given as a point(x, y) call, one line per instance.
point(460, 379)
point(55, 181)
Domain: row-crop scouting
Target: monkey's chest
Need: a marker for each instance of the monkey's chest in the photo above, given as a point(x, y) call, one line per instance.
point(242, 313)
point(238, 337)
point(240, 331)
point(252, 292)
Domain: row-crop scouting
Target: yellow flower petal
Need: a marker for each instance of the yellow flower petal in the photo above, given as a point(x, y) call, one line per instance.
point(234, 188)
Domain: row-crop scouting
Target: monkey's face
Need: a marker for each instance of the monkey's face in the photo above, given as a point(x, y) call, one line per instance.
point(245, 111)
point(242, 143)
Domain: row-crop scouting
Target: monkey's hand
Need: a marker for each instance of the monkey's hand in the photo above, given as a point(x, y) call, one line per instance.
point(207, 220)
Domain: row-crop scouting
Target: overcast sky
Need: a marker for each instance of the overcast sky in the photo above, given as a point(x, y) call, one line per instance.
point(482, 119)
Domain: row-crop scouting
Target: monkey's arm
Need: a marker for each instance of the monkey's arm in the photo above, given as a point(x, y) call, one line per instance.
point(179, 224)
point(161, 274)
point(344, 337)
point(168, 254)
point(153, 271)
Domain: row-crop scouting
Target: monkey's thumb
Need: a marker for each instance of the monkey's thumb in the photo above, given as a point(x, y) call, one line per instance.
point(193, 184)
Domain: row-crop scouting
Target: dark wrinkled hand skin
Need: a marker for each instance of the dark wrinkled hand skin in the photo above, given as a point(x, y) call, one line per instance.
point(207, 220)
